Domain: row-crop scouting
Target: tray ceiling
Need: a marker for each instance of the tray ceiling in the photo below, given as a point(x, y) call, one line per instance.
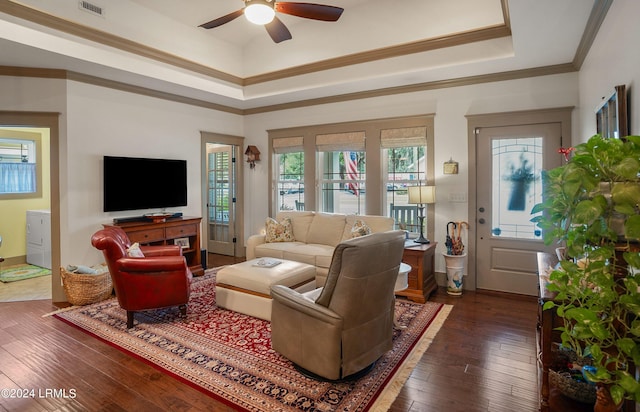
point(376, 45)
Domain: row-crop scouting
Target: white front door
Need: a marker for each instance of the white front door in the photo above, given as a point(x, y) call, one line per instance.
point(510, 162)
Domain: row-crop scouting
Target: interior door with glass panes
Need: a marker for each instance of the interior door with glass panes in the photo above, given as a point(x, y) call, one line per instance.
point(510, 162)
point(221, 199)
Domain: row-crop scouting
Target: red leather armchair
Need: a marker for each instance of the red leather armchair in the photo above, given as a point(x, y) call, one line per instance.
point(159, 279)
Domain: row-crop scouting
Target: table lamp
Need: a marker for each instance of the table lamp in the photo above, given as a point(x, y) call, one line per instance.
point(422, 195)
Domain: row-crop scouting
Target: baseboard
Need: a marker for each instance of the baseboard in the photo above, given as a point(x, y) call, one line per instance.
point(14, 260)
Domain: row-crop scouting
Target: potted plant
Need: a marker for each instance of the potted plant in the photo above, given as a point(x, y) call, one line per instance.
point(592, 207)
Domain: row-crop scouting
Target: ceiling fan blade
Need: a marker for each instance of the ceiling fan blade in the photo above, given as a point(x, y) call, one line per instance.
point(277, 30)
point(310, 10)
point(222, 20)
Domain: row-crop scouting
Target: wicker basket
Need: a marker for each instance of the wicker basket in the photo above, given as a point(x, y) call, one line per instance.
point(580, 391)
point(82, 289)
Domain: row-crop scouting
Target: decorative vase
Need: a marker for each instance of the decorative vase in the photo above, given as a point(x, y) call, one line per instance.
point(455, 273)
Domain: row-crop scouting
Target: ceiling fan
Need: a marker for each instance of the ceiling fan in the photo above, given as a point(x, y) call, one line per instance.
point(263, 12)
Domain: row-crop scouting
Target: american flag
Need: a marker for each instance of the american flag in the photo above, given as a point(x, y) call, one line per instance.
point(351, 166)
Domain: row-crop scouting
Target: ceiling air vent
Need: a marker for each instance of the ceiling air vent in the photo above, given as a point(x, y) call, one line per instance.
point(91, 8)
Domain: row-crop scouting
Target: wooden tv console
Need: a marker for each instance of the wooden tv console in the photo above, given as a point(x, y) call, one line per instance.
point(166, 233)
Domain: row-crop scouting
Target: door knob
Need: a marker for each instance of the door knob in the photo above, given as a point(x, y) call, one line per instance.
point(481, 209)
point(481, 221)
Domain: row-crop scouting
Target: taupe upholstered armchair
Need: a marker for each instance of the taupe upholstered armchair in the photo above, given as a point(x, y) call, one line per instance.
point(349, 325)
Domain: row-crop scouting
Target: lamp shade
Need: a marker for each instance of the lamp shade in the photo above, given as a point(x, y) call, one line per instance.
point(422, 194)
point(259, 12)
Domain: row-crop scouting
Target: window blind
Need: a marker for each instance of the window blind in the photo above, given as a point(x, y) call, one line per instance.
point(403, 137)
point(353, 141)
point(287, 144)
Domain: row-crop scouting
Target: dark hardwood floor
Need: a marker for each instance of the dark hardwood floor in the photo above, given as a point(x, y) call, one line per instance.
point(483, 359)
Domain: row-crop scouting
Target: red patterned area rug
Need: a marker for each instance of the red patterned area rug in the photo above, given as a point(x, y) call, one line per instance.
point(228, 355)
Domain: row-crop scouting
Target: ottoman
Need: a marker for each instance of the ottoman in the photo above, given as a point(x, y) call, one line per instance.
point(246, 288)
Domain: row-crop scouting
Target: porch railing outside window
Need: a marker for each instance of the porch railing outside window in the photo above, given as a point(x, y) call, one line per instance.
point(289, 173)
point(290, 183)
point(406, 165)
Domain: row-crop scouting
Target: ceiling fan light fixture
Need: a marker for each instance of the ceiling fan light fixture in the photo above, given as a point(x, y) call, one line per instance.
point(259, 12)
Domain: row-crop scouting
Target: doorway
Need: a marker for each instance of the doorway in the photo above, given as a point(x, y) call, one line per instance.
point(511, 153)
point(222, 190)
point(45, 124)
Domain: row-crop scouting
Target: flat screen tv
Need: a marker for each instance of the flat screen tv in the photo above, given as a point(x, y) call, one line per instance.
point(133, 183)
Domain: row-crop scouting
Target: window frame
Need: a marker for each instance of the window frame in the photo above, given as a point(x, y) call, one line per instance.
point(327, 196)
point(279, 183)
point(374, 179)
point(389, 196)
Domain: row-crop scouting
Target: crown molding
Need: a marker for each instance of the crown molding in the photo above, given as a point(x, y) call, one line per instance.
point(438, 84)
point(420, 46)
point(145, 91)
point(596, 18)
point(108, 39)
point(418, 87)
point(126, 45)
point(598, 13)
point(112, 84)
point(33, 72)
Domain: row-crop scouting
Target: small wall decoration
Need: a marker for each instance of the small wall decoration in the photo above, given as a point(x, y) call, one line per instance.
point(253, 155)
point(450, 167)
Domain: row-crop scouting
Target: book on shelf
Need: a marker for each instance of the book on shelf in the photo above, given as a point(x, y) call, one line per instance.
point(267, 262)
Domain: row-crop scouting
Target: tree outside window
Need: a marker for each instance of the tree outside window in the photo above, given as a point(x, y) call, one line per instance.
point(290, 181)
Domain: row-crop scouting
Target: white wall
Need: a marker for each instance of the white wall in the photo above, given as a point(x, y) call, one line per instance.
point(450, 106)
point(104, 121)
point(612, 60)
point(96, 121)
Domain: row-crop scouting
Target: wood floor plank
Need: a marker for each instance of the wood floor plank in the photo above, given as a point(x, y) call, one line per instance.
point(483, 359)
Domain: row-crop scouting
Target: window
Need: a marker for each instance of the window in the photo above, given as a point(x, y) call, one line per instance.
point(289, 163)
point(20, 168)
point(404, 151)
point(358, 167)
point(517, 186)
point(341, 160)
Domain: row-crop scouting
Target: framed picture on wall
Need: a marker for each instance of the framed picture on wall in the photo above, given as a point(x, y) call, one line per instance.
point(183, 242)
point(611, 115)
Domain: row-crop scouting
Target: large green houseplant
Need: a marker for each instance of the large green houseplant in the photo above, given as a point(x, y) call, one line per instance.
point(592, 207)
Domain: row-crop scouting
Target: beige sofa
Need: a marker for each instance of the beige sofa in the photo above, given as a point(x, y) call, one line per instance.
point(315, 237)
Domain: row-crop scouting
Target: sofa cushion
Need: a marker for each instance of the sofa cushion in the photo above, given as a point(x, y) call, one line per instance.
point(376, 223)
point(313, 254)
point(300, 221)
point(275, 250)
point(327, 229)
point(278, 231)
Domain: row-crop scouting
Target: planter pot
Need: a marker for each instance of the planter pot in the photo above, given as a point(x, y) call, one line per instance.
point(604, 403)
point(455, 273)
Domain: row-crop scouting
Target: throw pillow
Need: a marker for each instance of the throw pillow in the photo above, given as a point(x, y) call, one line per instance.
point(134, 251)
point(279, 231)
point(360, 229)
point(327, 229)
point(85, 270)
